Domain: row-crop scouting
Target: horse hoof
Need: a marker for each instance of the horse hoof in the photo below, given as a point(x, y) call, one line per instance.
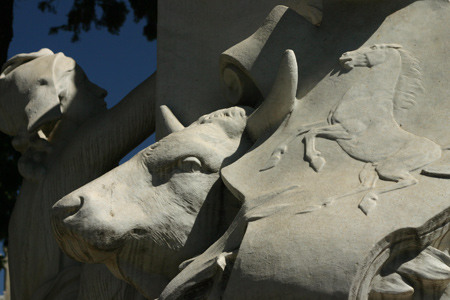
point(328, 201)
point(317, 163)
point(368, 203)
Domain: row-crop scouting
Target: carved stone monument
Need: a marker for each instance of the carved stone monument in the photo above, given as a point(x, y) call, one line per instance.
point(67, 138)
point(326, 176)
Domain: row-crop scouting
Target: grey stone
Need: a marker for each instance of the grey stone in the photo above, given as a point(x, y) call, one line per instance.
point(334, 185)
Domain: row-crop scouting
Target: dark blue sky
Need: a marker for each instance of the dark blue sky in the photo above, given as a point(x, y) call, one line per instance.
point(117, 63)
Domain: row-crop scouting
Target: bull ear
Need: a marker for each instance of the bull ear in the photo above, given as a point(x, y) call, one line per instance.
point(22, 58)
point(280, 100)
point(172, 124)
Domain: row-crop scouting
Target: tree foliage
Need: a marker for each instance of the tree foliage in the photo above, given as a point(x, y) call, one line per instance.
point(109, 14)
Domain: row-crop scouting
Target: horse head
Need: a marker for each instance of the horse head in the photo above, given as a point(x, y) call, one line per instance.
point(368, 56)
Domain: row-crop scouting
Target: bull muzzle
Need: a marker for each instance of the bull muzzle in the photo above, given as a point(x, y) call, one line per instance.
point(67, 207)
point(74, 234)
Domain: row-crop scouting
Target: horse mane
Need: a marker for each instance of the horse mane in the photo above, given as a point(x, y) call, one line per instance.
point(409, 83)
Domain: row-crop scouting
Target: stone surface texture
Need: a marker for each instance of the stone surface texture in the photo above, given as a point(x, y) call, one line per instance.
point(316, 165)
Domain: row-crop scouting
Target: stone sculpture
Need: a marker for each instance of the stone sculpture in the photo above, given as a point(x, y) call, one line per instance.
point(366, 111)
point(67, 138)
point(174, 195)
point(419, 271)
point(242, 205)
point(404, 237)
point(80, 218)
point(173, 190)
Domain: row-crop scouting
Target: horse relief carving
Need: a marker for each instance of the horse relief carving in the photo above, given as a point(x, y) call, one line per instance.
point(363, 124)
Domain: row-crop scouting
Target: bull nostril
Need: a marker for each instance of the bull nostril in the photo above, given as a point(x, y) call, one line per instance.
point(67, 206)
point(138, 231)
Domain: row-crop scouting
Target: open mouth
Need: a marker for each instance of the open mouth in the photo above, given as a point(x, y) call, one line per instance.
point(48, 128)
point(69, 244)
point(345, 62)
point(77, 248)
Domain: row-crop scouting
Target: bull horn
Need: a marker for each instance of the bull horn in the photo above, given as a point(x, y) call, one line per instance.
point(280, 100)
point(172, 124)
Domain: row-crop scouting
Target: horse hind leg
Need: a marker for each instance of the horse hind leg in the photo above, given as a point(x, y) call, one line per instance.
point(368, 178)
point(418, 152)
point(402, 179)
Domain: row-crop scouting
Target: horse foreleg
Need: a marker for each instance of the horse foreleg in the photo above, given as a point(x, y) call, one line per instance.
point(331, 132)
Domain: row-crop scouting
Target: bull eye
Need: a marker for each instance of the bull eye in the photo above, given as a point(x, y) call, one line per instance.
point(43, 81)
point(190, 164)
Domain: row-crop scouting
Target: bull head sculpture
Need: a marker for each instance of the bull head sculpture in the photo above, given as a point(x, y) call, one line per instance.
point(168, 203)
point(25, 106)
